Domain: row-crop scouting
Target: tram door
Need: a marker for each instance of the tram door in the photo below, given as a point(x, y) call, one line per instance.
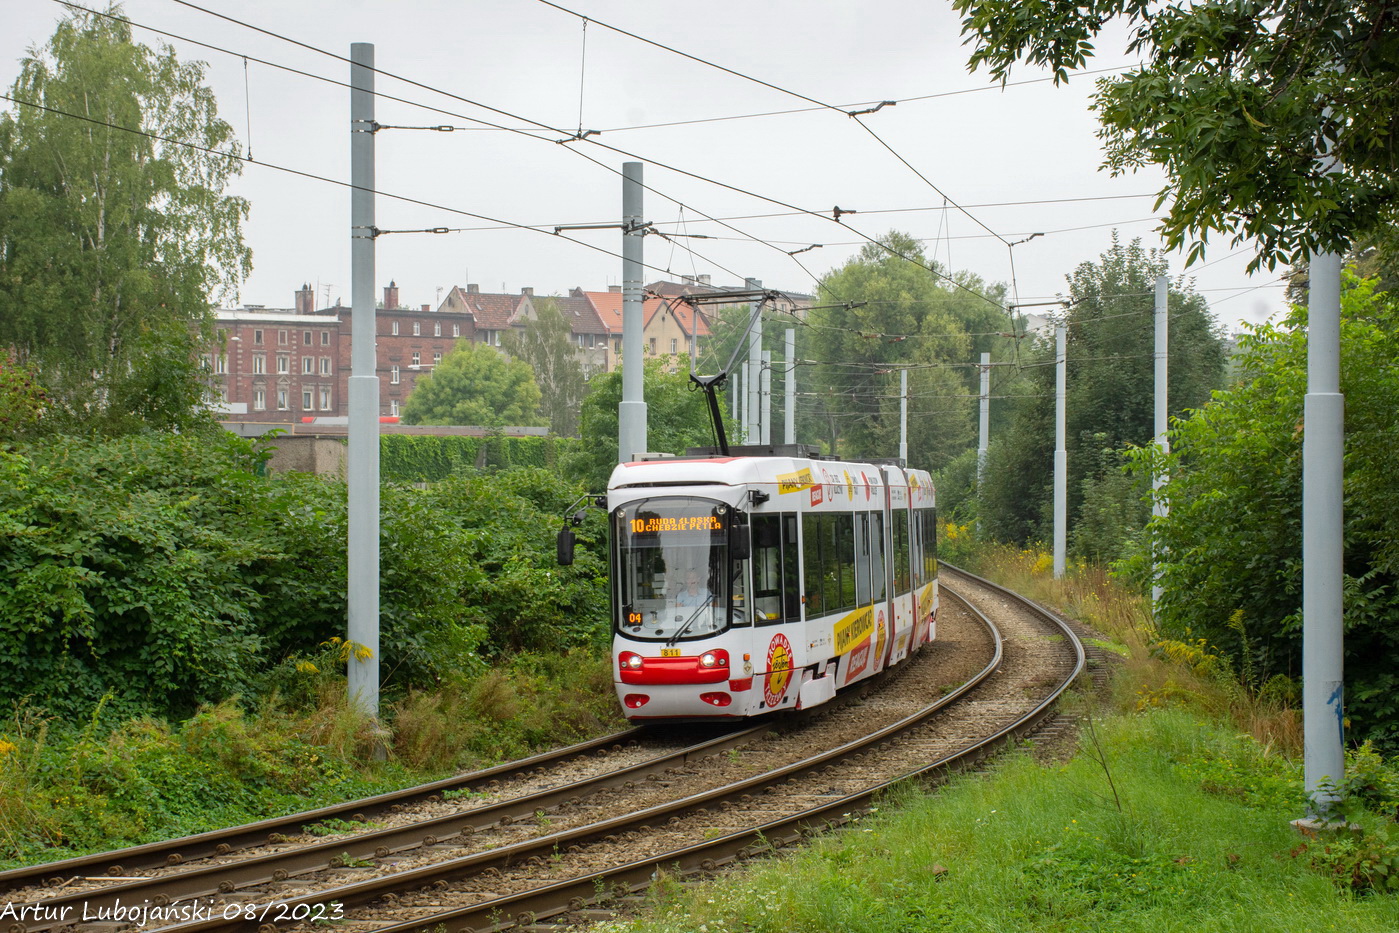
point(778, 648)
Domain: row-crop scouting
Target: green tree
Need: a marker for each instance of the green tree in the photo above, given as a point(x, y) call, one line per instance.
point(113, 242)
point(1233, 100)
point(1231, 544)
point(1110, 399)
point(476, 385)
point(677, 417)
point(883, 313)
point(546, 345)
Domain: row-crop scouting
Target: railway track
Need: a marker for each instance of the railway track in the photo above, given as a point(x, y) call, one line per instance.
point(577, 831)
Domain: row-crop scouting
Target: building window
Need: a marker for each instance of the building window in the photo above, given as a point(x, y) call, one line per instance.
point(325, 366)
point(417, 329)
point(257, 336)
point(308, 366)
point(283, 363)
point(672, 346)
point(580, 340)
point(259, 400)
point(281, 399)
point(259, 363)
point(437, 358)
point(417, 358)
point(393, 374)
point(395, 328)
point(393, 407)
point(437, 328)
point(221, 363)
point(306, 338)
point(653, 346)
point(282, 338)
point(325, 398)
point(306, 400)
point(325, 338)
point(456, 330)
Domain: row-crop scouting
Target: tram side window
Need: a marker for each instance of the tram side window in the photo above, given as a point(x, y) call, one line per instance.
point(845, 561)
point(791, 569)
point(901, 555)
point(929, 518)
point(812, 526)
point(877, 566)
point(863, 590)
point(776, 596)
point(915, 549)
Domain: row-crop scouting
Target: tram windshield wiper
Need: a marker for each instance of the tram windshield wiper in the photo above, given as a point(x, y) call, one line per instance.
point(688, 622)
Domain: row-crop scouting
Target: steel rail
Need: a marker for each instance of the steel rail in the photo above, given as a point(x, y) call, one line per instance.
point(543, 847)
point(226, 878)
point(222, 842)
point(577, 893)
point(334, 853)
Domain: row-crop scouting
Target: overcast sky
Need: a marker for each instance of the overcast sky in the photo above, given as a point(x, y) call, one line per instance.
point(1017, 161)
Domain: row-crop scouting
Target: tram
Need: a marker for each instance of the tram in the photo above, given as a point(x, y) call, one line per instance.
point(764, 579)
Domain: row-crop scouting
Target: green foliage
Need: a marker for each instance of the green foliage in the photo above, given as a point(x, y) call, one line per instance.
point(410, 458)
point(165, 571)
point(112, 242)
point(1234, 101)
point(677, 419)
point(66, 790)
point(1109, 405)
point(1036, 847)
point(475, 385)
point(903, 317)
point(518, 591)
point(546, 344)
point(1232, 540)
point(22, 400)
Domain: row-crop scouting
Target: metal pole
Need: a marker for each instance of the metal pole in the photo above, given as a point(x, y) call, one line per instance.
point(789, 432)
point(362, 461)
point(753, 429)
point(984, 435)
point(1061, 455)
point(765, 390)
point(1158, 505)
point(1323, 447)
point(903, 415)
point(631, 413)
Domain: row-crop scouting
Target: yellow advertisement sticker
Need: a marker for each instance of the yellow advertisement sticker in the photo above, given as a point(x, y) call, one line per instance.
point(853, 629)
point(794, 482)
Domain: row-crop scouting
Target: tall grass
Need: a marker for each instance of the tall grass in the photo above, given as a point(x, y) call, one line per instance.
point(1195, 839)
point(65, 790)
point(1152, 671)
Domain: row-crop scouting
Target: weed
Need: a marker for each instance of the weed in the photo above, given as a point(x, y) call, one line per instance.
point(333, 827)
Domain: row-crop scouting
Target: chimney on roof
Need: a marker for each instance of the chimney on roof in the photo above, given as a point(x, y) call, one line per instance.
point(473, 289)
point(753, 283)
point(615, 289)
point(391, 296)
point(305, 300)
point(687, 280)
point(427, 308)
point(702, 279)
point(527, 292)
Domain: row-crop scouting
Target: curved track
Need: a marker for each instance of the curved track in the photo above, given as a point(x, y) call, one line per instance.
point(589, 838)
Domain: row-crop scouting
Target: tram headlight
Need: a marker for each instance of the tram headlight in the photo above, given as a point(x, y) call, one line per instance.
point(716, 658)
point(629, 661)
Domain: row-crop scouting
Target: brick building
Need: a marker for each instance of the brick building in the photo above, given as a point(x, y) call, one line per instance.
point(288, 365)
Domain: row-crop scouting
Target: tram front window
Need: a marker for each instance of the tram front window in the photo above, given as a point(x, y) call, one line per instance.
point(674, 574)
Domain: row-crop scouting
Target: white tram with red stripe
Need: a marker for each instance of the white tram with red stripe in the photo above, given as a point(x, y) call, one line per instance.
point(747, 584)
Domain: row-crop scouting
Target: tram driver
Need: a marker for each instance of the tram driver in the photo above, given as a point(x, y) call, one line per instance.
point(695, 592)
